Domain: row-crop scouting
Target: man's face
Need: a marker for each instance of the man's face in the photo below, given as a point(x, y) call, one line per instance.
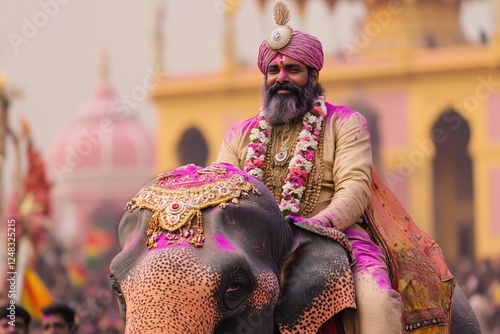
point(55, 324)
point(284, 69)
point(289, 91)
point(19, 328)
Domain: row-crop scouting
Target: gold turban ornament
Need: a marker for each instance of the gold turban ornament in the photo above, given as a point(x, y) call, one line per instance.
point(281, 36)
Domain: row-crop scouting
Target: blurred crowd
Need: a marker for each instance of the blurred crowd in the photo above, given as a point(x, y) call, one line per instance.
point(58, 318)
point(95, 308)
point(480, 281)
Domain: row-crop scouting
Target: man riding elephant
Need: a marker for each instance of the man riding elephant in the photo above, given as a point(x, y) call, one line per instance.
point(207, 250)
point(203, 252)
point(316, 160)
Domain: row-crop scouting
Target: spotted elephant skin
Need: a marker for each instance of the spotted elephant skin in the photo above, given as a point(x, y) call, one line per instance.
point(249, 272)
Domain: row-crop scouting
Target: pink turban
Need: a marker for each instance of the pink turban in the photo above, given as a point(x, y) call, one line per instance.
point(303, 47)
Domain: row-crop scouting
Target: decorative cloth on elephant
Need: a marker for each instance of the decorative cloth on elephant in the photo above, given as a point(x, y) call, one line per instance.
point(291, 43)
point(178, 196)
point(418, 268)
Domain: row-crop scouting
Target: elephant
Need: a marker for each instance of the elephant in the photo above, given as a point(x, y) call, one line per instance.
point(207, 250)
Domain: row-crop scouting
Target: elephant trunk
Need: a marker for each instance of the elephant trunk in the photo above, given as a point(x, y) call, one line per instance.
point(161, 296)
point(152, 313)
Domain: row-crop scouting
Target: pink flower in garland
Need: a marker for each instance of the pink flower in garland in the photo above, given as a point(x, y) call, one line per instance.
point(256, 152)
point(298, 172)
point(309, 155)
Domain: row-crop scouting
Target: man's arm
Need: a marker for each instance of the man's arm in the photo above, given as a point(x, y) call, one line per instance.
point(228, 150)
point(352, 170)
point(234, 146)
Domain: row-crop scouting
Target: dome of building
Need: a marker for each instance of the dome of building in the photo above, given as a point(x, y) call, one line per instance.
point(105, 140)
point(98, 163)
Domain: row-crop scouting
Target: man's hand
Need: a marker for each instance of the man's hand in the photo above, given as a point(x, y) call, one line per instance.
point(298, 219)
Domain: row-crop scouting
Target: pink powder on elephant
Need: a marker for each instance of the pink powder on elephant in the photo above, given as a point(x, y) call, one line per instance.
point(223, 243)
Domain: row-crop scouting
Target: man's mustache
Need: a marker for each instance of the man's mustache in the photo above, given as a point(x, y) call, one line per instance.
point(294, 89)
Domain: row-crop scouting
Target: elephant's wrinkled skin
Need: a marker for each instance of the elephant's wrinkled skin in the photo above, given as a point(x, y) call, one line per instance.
point(231, 284)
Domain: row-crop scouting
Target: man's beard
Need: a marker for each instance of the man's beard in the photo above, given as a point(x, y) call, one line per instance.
point(291, 107)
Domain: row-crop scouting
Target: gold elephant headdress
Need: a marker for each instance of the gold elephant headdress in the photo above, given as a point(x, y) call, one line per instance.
point(178, 196)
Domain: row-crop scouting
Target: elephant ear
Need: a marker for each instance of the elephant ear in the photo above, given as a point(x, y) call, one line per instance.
point(463, 319)
point(317, 283)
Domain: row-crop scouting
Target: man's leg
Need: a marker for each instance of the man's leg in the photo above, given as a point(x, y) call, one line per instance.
point(378, 305)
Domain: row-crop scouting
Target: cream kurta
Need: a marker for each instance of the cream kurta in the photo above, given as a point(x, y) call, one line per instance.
point(347, 158)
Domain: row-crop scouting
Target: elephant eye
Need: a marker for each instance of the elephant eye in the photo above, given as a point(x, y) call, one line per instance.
point(233, 288)
point(237, 290)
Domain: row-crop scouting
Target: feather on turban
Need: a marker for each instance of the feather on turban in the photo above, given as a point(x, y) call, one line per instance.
point(303, 47)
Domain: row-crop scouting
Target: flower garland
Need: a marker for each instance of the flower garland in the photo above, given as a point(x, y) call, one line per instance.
point(303, 157)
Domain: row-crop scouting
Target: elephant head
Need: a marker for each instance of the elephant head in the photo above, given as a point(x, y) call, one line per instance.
point(206, 250)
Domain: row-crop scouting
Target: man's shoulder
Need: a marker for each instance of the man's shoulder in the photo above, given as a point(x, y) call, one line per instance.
point(342, 118)
point(246, 125)
point(342, 112)
point(339, 109)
